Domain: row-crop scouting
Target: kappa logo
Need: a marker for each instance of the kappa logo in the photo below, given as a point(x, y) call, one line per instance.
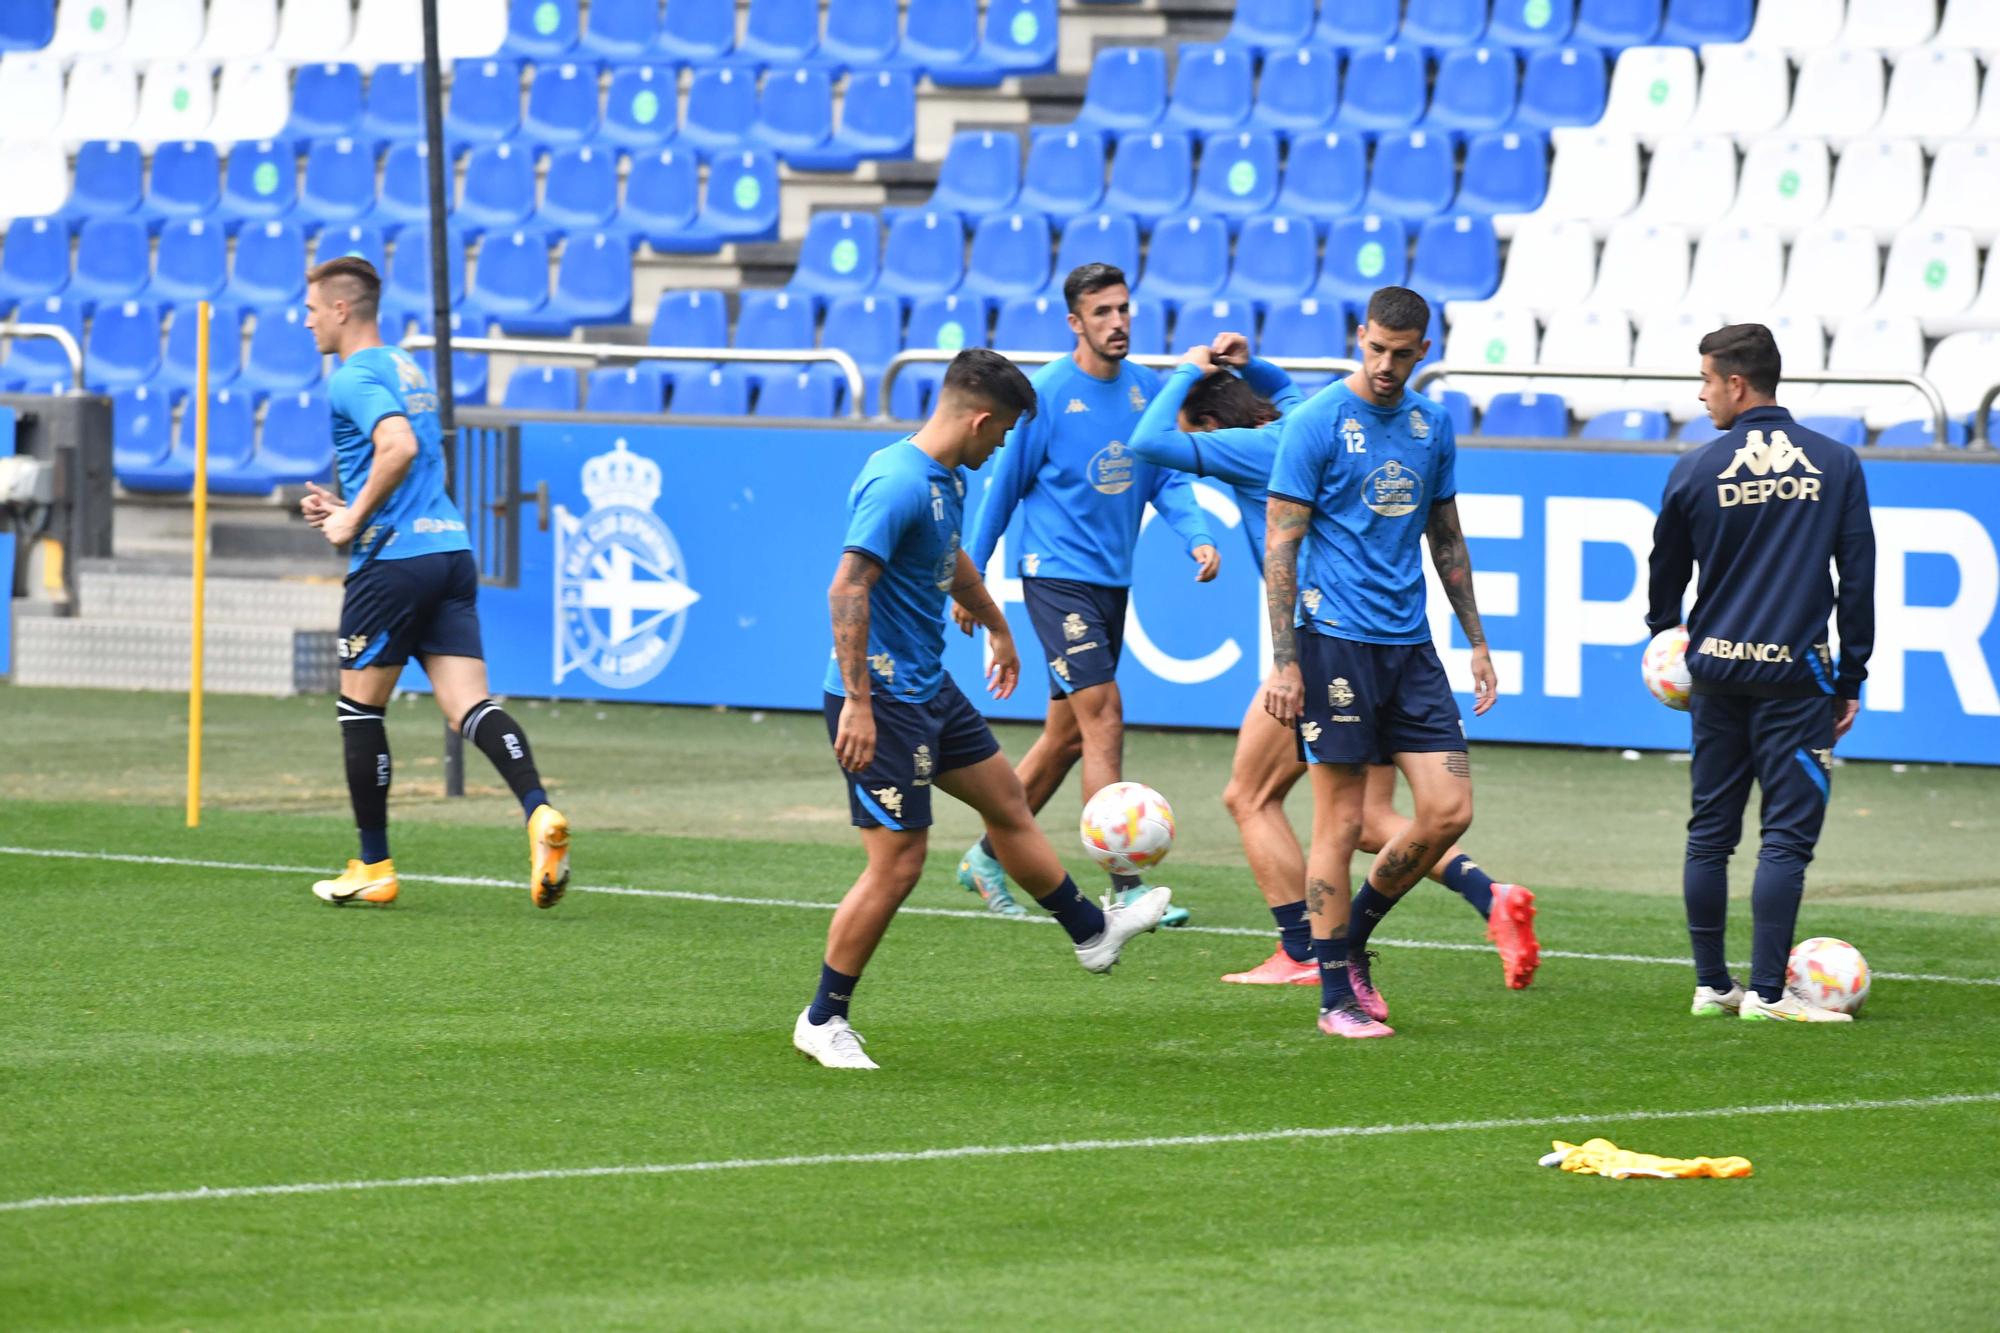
point(1340, 694)
point(1310, 731)
point(1770, 462)
point(1031, 564)
point(1824, 758)
point(1075, 405)
point(1060, 666)
point(622, 593)
point(890, 799)
point(1352, 436)
point(884, 666)
point(1312, 597)
point(1073, 627)
point(351, 647)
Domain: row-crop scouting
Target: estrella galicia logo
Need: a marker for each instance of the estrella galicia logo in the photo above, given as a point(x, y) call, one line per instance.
point(621, 583)
point(1393, 490)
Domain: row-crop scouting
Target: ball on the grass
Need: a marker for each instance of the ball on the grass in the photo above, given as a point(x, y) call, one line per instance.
point(1830, 973)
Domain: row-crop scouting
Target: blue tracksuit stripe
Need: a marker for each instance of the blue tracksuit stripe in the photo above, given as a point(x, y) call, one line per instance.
point(1811, 766)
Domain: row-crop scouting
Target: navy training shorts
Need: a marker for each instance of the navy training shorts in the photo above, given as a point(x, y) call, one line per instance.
point(1366, 702)
point(1082, 629)
point(423, 606)
point(914, 742)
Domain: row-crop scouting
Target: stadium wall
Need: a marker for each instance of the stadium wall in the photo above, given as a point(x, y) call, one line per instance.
point(688, 565)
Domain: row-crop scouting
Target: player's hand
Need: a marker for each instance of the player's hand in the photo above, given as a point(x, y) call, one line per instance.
point(1201, 358)
point(964, 619)
point(341, 526)
point(1231, 349)
point(1485, 685)
point(317, 503)
point(1003, 665)
point(1210, 561)
point(854, 738)
point(1285, 694)
point(1844, 713)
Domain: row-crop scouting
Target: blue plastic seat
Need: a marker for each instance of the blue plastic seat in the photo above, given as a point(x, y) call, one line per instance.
point(193, 261)
point(620, 31)
point(326, 103)
point(1362, 254)
point(109, 181)
point(355, 238)
point(1187, 260)
point(339, 182)
point(297, 443)
point(1020, 37)
point(1267, 26)
point(1526, 416)
point(1326, 177)
point(225, 351)
point(780, 32)
point(795, 111)
point(485, 102)
point(581, 191)
point(1307, 327)
point(696, 32)
point(1065, 173)
point(871, 331)
point(1010, 255)
point(940, 36)
point(690, 318)
point(471, 372)
point(860, 35)
point(35, 260)
point(1277, 259)
point(720, 391)
point(511, 280)
point(1213, 89)
point(498, 191)
point(1529, 25)
point(981, 174)
point(840, 255)
point(142, 442)
point(1504, 173)
point(1096, 238)
point(1477, 87)
point(405, 199)
point(1443, 24)
point(39, 360)
point(1199, 321)
point(923, 255)
point(1033, 324)
point(742, 199)
point(1358, 25)
point(878, 118)
point(1298, 91)
point(1850, 431)
point(1699, 22)
point(1458, 406)
point(1152, 174)
point(1920, 434)
point(1617, 24)
point(27, 25)
point(1563, 86)
point(283, 357)
point(775, 322)
point(1127, 89)
point(662, 198)
point(186, 181)
point(113, 261)
point(802, 396)
point(639, 108)
point(408, 281)
point(542, 389)
point(1627, 424)
point(721, 110)
point(124, 346)
point(541, 29)
point(1149, 326)
point(260, 183)
point(593, 283)
point(1457, 259)
point(232, 443)
point(395, 106)
point(946, 323)
point(1239, 175)
point(629, 390)
point(562, 106)
point(1414, 175)
point(1385, 90)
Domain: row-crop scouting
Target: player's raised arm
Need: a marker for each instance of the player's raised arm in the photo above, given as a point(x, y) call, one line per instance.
point(847, 605)
point(1019, 458)
point(968, 589)
point(1854, 600)
point(1454, 568)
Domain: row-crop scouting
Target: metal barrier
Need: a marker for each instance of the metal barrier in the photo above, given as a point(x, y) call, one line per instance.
point(1982, 438)
point(71, 348)
point(486, 484)
point(1940, 418)
point(541, 347)
point(936, 356)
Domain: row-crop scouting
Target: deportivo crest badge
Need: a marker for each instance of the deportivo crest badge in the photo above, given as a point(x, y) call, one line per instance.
point(1340, 693)
point(1138, 399)
point(1419, 428)
point(1073, 627)
point(921, 763)
point(622, 594)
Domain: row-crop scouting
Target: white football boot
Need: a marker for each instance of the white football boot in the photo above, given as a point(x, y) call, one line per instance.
point(1791, 1007)
point(833, 1043)
point(1121, 922)
point(1712, 1003)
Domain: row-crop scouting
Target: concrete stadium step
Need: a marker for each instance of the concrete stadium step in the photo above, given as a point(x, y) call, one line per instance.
point(111, 593)
point(153, 655)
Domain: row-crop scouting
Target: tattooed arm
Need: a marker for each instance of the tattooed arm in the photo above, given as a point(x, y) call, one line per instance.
point(847, 603)
point(968, 590)
point(1454, 569)
point(1285, 529)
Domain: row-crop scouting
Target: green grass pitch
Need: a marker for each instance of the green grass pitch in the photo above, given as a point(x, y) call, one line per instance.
point(173, 1026)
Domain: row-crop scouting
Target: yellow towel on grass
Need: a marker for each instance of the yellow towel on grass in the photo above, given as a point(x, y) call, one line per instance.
point(1602, 1157)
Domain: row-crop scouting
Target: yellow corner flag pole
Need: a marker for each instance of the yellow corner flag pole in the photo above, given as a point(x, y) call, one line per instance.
point(199, 624)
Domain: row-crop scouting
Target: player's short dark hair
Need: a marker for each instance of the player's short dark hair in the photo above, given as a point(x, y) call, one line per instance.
point(1399, 309)
point(365, 296)
point(1748, 350)
point(982, 373)
point(1087, 278)
point(1228, 402)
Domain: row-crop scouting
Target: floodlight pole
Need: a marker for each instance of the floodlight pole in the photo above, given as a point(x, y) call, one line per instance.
point(438, 171)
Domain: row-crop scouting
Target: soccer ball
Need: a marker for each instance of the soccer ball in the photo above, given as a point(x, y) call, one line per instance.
point(1128, 827)
point(1665, 668)
point(1829, 973)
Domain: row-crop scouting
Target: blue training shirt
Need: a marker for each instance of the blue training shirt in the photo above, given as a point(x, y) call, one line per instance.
point(1081, 489)
point(1239, 455)
point(1370, 476)
point(905, 512)
point(419, 517)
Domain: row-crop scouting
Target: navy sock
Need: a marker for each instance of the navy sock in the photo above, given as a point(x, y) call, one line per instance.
point(1082, 918)
point(836, 992)
point(500, 738)
point(364, 742)
point(986, 845)
point(1471, 883)
point(1334, 988)
point(374, 845)
point(1705, 895)
point(1370, 906)
point(1120, 883)
point(1294, 930)
point(1774, 911)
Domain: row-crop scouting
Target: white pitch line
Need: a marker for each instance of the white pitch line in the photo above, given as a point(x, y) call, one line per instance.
point(960, 913)
point(977, 1150)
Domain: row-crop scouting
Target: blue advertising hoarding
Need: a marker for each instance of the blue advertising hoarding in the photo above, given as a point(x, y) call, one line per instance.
point(689, 564)
point(7, 435)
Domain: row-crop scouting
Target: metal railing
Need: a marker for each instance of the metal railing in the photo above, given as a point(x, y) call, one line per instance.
point(72, 350)
point(936, 356)
point(1940, 418)
point(1982, 437)
point(542, 347)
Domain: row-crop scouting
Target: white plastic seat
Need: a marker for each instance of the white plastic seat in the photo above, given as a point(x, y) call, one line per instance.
point(238, 28)
point(1595, 178)
point(1785, 182)
point(1933, 95)
point(1551, 263)
point(31, 88)
point(1644, 267)
point(1592, 338)
point(1744, 91)
point(1801, 347)
point(387, 32)
point(1486, 333)
point(87, 28)
point(1671, 340)
point(1963, 368)
point(314, 30)
point(1969, 25)
point(102, 100)
point(1834, 272)
point(1965, 189)
point(254, 101)
point(1839, 95)
point(1983, 313)
point(1888, 25)
point(1798, 25)
point(162, 30)
point(471, 29)
point(1986, 121)
point(1891, 344)
point(1879, 185)
point(37, 176)
point(1653, 92)
point(177, 101)
point(1932, 273)
point(1692, 180)
point(1738, 269)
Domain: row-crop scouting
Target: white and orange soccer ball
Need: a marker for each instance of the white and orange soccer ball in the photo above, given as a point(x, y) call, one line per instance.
point(1665, 668)
point(1128, 827)
point(1829, 973)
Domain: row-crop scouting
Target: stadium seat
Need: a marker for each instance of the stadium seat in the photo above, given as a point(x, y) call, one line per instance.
point(839, 256)
point(395, 106)
point(1298, 91)
point(232, 443)
point(1106, 238)
point(405, 195)
point(1277, 259)
point(860, 35)
point(1152, 175)
point(639, 108)
point(945, 323)
point(1969, 25)
point(981, 174)
point(88, 27)
point(33, 83)
point(722, 391)
point(1326, 176)
point(1386, 90)
point(142, 441)
point(1310, 327)
point(1802, 347)
point(939, 34)
point(1526, 416)
point(1738, 270)
point(878, 118)
point(1149, 327)
point(1869, 345)
point(35, 260)
point(1667, 341)
point(1562, 86)
point(40, 359)
point(628, 390)
point(1839, 95)
point(1267, 27)
point(1487, 333)
point(193, 262)
point(1595, 178)
point(580, 193)
point(1961, 366)
point(309, 29)
point(775, 321)
point(1653, 92)
point(1616, 25)
point(1636, 424)
point(1477, 87)
point(497, 192)
point(355, 239)
point(795, 112)
point(562, 106)
point(485, 102)
point(1933, 95)
point(923, 255)
point(471, 372)
point(1010, 255)
point(619, 32)
point(1457, 259)
point(721, 110)
point(1983, 313)
point(696, 32)
point(1239, 175)
point(1701, 22)
point(110, 181)
point(1443, 24)
point(1362, 253)
point(1358, 25)
point(779, 32)
point(1414, 175)
point(741, 203)
point(101, 101)
point(283, 357)
point(37, 173)
point(1065, 173)
point(1965, 189)
point(1188, 260)
point(1644, 267)
point(1528, 25)
point(471, 29)
point(1744, 91)
point(178, 369)
point(593, 283)
point(542, 389)
point(803, 396)
point(1834, 272)
point(1037, 324)
point(1920, 434)
point(662, 199)
point(113, 261)
point(408, 281)
point(261, 183)
point(1198, 322)
point(27, 27)
point(1127, 90)
point(1878, 184)
point(1505, 172)
point(1797, 26)
point(326, 102)
point(689, 318)
point(124, 346)
point(176, 101)
point(1551, 263)
point(186, 182)
point(1589, 339)
point(1019, 37)
point(1933, 274)
point(1692, 181)
point(510, 281)
point(297, 442)
point(1213, 89)
point(541, 29)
